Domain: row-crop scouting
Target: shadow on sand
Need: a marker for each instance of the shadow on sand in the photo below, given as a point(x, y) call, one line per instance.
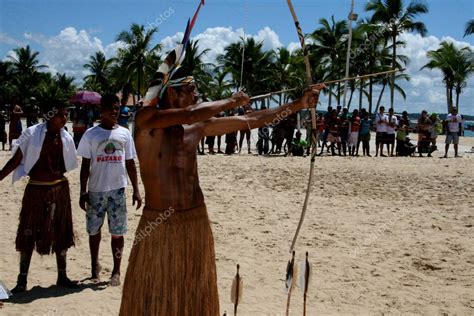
point(39, 292)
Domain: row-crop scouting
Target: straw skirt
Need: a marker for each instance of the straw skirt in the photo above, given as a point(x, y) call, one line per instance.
point(172, 270)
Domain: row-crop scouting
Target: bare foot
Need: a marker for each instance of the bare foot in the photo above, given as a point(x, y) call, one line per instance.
point(115, 280)
point(19, 288)
point(20, 284)
point(96, 273)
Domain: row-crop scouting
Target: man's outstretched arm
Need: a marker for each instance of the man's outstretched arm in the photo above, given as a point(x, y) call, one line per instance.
point(225, 125)
point(155, 118)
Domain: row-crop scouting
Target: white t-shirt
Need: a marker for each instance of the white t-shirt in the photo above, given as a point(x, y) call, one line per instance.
point(108, 151)
point(453, 122)
point(393, 120)
point(381, 128)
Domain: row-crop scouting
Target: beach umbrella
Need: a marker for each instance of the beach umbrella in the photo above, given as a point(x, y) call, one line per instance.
point(84, 96)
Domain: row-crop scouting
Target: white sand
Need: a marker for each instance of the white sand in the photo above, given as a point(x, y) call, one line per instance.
point(385, 235)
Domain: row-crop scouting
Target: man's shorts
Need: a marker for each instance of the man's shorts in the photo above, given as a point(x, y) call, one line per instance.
point(111, 202)
point(353, 139)
point(333, 139)
point(344, 136)
point(452, 138)
point(380, 138)
point(390, 139)
point(365, 138)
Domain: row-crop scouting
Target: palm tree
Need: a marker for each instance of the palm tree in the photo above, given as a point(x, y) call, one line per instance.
point(134, 55)
point(202, 72)
point(219, 87)
point(256, 72)
point(25, 66)
point(330, 48)
point(455, 64)
point(65, 84)
point(469, 28)
point(397, 19)
point(100, 68)
point(54, 88)
point(287, 72)
point(6, 82)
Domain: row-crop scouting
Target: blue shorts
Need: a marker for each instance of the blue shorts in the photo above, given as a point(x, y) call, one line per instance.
point(112, 203)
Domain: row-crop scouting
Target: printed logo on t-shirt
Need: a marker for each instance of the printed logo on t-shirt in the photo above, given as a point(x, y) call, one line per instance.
point(110, 151)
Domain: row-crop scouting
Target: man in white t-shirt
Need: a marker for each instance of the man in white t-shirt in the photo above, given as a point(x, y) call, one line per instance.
point(452, 131)
point(381, 119)
point(108, 154)
point(392, 124)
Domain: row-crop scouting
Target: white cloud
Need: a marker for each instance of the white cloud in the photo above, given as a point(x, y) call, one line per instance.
point(269, 38)
point(5, 39)
point(426, 89)
point(69, 50)
point(293, 46)
point(217, 38)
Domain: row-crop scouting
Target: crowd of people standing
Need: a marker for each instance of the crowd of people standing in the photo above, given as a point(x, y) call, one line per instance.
point(343, 134)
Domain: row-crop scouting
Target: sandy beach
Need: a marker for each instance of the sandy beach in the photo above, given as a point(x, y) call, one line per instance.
point(384, 235)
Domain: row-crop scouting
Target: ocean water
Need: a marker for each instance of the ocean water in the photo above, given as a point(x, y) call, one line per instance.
point(468, 133)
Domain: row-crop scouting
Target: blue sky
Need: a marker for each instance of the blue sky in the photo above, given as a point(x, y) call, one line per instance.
point(67, 32)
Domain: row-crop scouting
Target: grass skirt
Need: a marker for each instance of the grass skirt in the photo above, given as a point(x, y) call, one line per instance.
point(172, 269)
point(45, 219)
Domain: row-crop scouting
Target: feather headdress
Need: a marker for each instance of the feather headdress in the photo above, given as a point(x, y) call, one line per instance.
point(162, 78)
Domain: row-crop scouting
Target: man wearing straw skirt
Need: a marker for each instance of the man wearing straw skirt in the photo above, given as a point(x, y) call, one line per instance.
point(172, 268)
point(44, 152)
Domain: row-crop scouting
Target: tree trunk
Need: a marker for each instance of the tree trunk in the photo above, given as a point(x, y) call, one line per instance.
point(330, 96)
point(458, 92)
point(392, 81)
point(360, 94)
point(447, 99)
point(380, 98)
point(451, 97)
point(371, 84)
point(338, 94)
point(350, 99)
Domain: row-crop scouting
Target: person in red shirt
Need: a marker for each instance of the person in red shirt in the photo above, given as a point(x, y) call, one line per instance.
point(354, 136)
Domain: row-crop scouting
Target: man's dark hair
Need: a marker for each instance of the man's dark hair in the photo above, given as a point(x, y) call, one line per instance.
point(108, 100)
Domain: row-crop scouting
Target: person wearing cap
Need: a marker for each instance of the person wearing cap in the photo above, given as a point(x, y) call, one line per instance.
point(173, 270)
point(15, 127)
point(124, 113)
